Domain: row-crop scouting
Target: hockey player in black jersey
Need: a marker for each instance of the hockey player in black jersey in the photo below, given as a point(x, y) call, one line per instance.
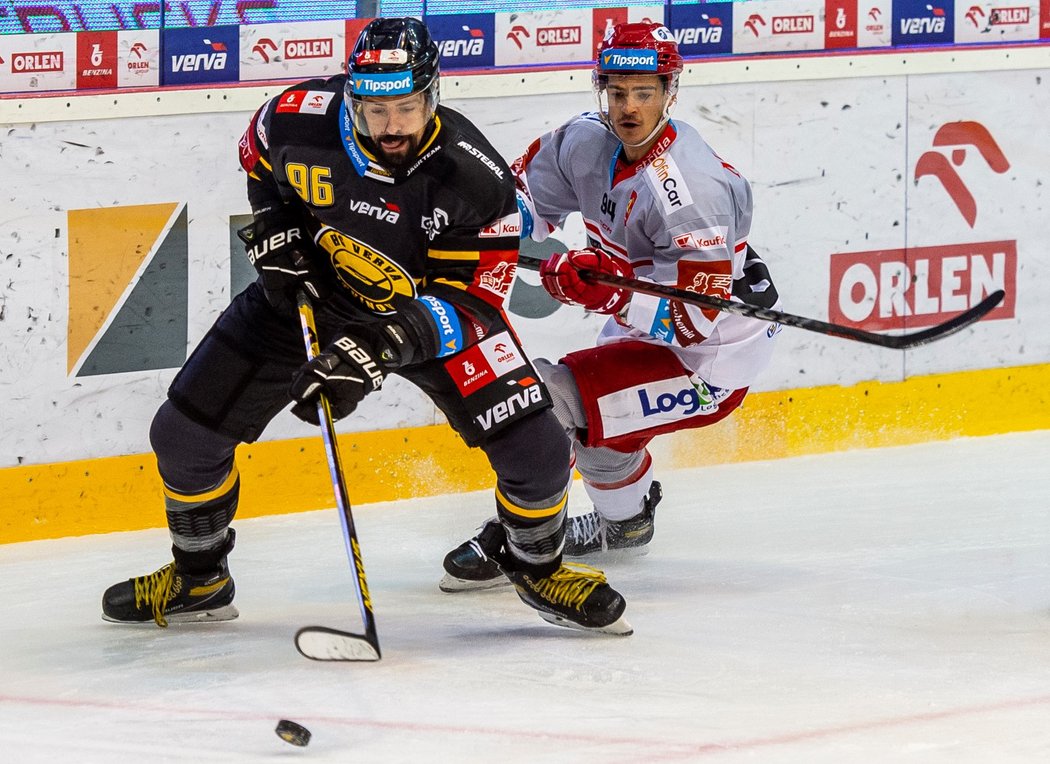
point(399, 219)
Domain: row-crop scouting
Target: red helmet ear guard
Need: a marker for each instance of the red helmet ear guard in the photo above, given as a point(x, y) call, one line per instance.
point(639, 48)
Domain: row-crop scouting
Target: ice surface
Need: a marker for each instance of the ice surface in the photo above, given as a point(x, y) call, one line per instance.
point(874, 606)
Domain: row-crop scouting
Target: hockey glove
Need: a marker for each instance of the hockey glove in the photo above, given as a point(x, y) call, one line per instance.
point(279, 247)
point(358, 360)
point(560, 275)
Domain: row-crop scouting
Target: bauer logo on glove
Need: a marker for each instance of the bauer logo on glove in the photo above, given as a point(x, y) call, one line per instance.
point(562, 278)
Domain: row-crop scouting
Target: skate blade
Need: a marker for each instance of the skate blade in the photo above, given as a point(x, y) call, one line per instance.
point(451, 584)
point(225, 613)
point(619, 627)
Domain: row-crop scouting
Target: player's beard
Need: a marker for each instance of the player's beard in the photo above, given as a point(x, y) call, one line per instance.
point(401, 155)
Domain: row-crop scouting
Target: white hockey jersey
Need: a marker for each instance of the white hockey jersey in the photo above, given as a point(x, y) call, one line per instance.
point(681, 216)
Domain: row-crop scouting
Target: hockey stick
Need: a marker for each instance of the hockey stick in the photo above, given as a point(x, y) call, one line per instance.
point(895, 342)
point(320, 642)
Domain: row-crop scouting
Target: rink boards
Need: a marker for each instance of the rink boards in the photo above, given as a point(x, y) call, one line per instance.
point(887, 201)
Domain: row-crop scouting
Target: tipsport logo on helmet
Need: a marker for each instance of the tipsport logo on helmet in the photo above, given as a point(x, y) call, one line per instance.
point(397, 83)
point(628, 59)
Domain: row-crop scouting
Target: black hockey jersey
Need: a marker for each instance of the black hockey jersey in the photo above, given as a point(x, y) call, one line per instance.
point(447, 225)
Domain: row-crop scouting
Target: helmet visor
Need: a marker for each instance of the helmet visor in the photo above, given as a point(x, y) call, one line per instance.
point(375, 116)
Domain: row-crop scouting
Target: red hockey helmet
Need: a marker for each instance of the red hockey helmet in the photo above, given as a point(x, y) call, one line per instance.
point(639, 48)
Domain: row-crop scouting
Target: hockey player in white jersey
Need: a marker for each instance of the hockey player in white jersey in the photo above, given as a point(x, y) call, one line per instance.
point(658, 204)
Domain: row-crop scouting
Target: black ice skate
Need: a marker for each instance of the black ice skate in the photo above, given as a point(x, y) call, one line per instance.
point(172, 595)
point(591, 532)
point(576, 596)
point(468, 566)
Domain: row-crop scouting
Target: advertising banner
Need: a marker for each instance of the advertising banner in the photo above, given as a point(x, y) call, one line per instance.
point(200, 55)
point(1003, 21)
point(38, 62)
point(465, 40)
point(776, 26)
point(280, 51)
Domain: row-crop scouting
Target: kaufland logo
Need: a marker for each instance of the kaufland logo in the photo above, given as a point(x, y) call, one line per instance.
point(44, 61)
point(932, 24)
point(472, 45)
point(558, 36)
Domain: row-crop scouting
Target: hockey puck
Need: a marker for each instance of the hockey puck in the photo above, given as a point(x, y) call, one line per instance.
point(293, 733)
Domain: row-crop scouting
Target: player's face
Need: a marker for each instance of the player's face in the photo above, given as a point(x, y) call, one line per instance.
point(396, 125)
point(636, 106)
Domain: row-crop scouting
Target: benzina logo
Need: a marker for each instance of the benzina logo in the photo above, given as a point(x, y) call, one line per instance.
point(920, 286)
point(960, 135)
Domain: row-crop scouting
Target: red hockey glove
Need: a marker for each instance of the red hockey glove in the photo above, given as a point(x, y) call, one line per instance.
point(560, 276)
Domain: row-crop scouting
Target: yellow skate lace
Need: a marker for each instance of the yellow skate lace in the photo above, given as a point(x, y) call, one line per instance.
point(570, 585)
point(155, 590)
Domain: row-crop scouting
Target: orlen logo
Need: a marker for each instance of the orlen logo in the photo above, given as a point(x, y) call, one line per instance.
point(874, 23)
point(558, 36)
point(932, 24)
point(793, 24)
point(754, 23)
point(920, 286)
point(195, 62)
point(518, 33)
point(264, 48)
point(474, 45)
point(708, 35)
point(319, 47)
point(137, 62)
point(44, 61)
point(962, 136)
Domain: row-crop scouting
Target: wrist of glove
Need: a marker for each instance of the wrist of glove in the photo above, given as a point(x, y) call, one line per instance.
point(560, 275)
point(279, 247)
point(358, 360)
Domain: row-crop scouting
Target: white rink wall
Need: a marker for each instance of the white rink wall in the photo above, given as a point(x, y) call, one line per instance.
point(848, 173)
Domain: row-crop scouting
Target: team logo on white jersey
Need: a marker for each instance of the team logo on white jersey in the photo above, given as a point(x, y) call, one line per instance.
point(673, 191)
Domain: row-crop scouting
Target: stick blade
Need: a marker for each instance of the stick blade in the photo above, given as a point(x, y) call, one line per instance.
point(951, 326)
point(319, 643)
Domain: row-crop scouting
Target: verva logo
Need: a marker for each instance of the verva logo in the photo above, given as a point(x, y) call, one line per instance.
point(963, 139)
point(472, 45)
point(932, 24)
point(920, 286)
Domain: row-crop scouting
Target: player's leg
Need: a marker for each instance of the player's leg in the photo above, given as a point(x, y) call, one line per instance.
point(234, 382)
point(510, 419)
point(620, 396)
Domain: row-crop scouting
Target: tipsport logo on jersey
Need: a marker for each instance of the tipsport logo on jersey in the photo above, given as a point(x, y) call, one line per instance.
point(464, 40)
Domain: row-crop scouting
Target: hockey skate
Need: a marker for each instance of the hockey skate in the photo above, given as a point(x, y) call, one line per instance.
point(576, 596)
point(171, 595)
point(591, 532)
point(469, 568)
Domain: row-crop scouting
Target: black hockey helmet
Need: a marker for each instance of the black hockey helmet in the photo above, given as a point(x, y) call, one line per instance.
point(392, 57)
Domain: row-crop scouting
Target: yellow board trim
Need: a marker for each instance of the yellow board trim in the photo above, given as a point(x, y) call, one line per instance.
point(124, 493)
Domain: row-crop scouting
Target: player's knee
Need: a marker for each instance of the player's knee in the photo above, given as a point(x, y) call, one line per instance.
point(565, 396)
point(531, 458)
point(188, 455)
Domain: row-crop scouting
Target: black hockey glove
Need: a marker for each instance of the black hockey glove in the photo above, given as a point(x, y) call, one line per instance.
point(279, 247)
point(356, 362)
